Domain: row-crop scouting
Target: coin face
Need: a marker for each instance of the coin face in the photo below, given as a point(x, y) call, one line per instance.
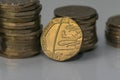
point(61, 39)
point(81, 12)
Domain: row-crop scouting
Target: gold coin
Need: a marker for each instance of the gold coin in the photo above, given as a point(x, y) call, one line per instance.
point(61, 39)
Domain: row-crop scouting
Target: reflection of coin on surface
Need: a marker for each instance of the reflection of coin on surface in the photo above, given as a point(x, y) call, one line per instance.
point(61, 39)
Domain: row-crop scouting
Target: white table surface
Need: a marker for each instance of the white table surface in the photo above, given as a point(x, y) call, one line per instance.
point(103, 63)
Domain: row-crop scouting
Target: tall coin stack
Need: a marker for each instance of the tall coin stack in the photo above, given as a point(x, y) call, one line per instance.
point(20, 28)
point(113, 31)
point(86, 18)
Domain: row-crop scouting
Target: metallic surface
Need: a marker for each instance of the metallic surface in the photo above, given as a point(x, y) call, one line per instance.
point(61, 39)
point(86, 18)
point(20, 28)
point(101, 64)
point(76, 12)
point(112, 32)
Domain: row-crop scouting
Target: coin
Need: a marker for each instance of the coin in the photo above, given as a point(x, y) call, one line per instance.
point(88, 38)
point(113, 29)
point(89, 45)
point(113, 44)
point(33, 23)
point(23, 27)
point(88, 21)
point(90, 28)
point(30, 13)
point(114, 20)
point(19, 17)
point(76, 12)
point(29, 8)
point(113, 33)
point(7, 31)
point(90, 41)
point(14, 38)
point(16, 55)
point(20, 20)
point(61, 39)
point(113, 37)
point(113, 40)
point(16, 4)
point(21, 48)
point(20, 42)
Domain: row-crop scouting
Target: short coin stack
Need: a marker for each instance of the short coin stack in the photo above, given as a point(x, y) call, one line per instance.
point(86, 18)
point(20, 28)
point(113, 31)
point(71, 31)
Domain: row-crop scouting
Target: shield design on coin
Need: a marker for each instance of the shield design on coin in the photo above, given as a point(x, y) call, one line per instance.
point(61, 39)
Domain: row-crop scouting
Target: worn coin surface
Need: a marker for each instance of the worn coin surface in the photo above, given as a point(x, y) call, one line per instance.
point(114, 21)
point(76, 12)
point(29, 8)
point(10, 24)
point(61, 39)
point(19, 20)
point(17, 3)
point(21, 14)
point(7, 31)
point(19, 55)
point(36, 33)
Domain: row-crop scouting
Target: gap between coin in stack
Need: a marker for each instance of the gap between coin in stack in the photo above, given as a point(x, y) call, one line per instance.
point(20, 28)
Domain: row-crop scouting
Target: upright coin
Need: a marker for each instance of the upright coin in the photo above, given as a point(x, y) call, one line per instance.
point(61, 39)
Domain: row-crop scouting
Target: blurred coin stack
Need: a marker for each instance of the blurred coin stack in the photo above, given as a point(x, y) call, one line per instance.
point(20, 28)
point(113, 31)
point(86, 18)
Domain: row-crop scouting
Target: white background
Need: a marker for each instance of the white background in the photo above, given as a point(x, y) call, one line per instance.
point(101, 64)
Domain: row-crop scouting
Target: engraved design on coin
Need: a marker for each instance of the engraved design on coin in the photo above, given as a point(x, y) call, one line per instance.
point(61, 39)
point(70, 37)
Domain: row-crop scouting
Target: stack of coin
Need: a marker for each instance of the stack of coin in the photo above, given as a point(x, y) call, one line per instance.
point(86, 18)
point(20, 28)
point(72, 30)
point(113, 31)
